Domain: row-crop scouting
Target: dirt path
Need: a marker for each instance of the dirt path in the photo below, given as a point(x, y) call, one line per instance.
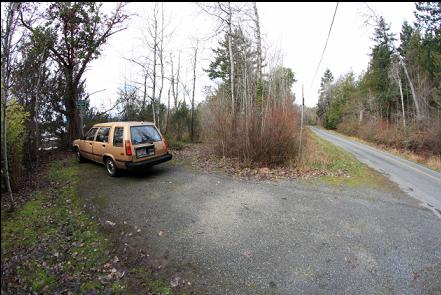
point(247, 237)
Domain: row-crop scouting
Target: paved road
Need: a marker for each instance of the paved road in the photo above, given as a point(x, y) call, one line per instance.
point(418, 181)
point(231, 236)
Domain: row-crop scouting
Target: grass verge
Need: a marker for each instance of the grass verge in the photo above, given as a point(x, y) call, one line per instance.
point(343, 166)
point(51, 245)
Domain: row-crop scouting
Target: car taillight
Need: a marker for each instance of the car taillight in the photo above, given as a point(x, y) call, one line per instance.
point(166, 144)
point(128, 148)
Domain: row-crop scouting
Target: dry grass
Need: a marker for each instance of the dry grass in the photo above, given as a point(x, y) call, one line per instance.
point(430, 161)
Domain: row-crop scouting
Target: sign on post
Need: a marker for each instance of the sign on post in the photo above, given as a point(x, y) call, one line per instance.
point(82, 105)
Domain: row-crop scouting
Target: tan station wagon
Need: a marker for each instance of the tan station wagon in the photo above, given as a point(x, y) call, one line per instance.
point(123, 145)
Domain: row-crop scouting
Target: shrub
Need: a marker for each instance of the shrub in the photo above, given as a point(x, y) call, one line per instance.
point(16, 120)
point(263, 139)
point(420, 138)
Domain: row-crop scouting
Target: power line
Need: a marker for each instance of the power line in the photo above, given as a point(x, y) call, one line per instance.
point(323, 53)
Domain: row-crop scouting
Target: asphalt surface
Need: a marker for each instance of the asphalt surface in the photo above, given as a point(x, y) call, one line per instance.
point(418, 181)
point(230, 236)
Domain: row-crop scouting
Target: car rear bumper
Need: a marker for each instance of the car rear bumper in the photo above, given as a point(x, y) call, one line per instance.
point(148, 163)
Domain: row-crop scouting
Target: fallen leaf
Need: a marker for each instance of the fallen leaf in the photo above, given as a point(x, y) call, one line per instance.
point(110, 223)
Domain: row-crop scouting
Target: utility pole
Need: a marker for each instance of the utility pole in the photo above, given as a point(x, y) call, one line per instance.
point(301, 126)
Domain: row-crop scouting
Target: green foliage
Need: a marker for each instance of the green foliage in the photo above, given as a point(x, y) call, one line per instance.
point(324, 96)
point(337, 96)
point(244, 57)
point(406, 33)
point(16, 125)
point(220, 66)
point(378, 73)
point(180, 121)
point(259, 93)
point(428, 16)
point(84, 20)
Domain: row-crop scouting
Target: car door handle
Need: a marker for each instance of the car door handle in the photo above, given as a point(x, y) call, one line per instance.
point(90, 143)
point(104, 145)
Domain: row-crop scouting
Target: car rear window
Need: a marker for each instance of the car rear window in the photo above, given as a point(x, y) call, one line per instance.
point(118, 136)
point(144, 134)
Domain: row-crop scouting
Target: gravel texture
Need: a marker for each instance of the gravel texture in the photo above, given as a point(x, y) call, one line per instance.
point(232, 236)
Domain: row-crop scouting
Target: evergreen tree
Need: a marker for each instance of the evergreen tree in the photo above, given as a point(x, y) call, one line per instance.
point(405, 36)
point(381, 55)
point(324, 95)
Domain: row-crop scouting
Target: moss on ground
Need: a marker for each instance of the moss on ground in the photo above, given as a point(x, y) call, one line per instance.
point(51, 244)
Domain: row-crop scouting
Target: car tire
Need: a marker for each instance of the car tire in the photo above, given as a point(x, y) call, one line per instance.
point(111, 168)
point(78, 155)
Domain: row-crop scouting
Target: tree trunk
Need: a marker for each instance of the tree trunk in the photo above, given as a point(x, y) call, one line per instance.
point(415, 99)
point(402, 101)
point(144, 95)
point(194, 89)
point(5, 149)
point(73, 118)
point(230, 49)
point(168, 110)
point(161, 63)
point(259, 43)
point(5, 84)
point(155, 53)
point(36, 136)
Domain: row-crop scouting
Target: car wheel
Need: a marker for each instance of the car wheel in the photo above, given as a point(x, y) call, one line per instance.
point(111, 168)
point(78, 155)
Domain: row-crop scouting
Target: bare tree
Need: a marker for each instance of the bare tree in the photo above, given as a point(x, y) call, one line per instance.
point(175, 83)
point(395, 73)
point(155, 37)
point(195, 58)
point(414, 96)
point(259, 42)
point(230, 48)
point(223, 11)
point(144, 64)
point(8, 33)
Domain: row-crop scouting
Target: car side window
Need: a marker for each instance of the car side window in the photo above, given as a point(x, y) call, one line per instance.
point(91, 134)
point(103, 134)
point(118, 136)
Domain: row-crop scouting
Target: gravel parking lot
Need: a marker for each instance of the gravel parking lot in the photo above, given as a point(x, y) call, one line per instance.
point(289, 237)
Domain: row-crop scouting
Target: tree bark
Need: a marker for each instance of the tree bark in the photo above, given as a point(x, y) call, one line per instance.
point(194, 89)
point(155, 53)
point(9, 30)
point(168, 111)
point(230, 49)
point(402, 101)
point(415, 99)
point(259, 42)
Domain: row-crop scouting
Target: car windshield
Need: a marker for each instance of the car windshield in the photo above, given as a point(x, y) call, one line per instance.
point(144, 134)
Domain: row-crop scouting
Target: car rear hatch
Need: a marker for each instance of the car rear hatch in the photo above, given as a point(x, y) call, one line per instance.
point(147, 142)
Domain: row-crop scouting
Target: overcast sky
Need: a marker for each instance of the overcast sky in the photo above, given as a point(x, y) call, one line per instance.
point(298, 30)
